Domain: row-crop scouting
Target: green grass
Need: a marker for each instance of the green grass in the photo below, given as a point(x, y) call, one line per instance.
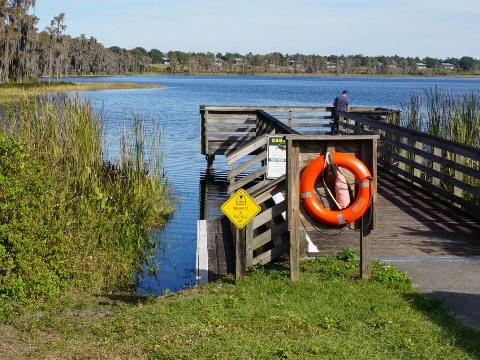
point(328, 314)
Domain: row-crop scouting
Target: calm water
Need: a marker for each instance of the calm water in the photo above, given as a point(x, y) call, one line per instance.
point(177, 108)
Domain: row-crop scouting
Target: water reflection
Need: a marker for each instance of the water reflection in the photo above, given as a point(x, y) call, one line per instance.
point(172, 266)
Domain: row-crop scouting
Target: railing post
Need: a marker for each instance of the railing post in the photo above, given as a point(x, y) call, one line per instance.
point(436, 166)
point(417, 158)
point(459, 159)
point(402, 152)
point(210, 159)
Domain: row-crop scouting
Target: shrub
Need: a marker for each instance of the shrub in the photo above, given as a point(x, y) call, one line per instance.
point(69, 218)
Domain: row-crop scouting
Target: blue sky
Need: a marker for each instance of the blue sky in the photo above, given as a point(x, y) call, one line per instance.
point(435, 28)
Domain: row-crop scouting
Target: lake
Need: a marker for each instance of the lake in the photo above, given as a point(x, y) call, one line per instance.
point(176, 108)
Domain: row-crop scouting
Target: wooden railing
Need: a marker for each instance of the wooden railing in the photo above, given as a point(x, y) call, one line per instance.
point(450, 169)
point(226, 128)
point(446, 168)
point(265, 237)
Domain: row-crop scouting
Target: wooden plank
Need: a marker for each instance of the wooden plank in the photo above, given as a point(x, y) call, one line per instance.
point(226, 108)
point(436, 166)
point(438, 190)
point(246, 180)
point(246, 149)
point(220, 247)
point(435, 157)
point(270, 255)
point(249, 245)
point(258, 186)
point(215, 134)
point(458, 190)
point(451, 146)
point(310, 125)
point(474, 190)
point(268, 214)
point(271, 188)
point(240, 169)
point(293, 118)
point(268, 235)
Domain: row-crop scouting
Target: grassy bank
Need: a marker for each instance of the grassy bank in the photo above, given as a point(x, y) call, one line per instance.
point(11, 93)
point(70, 220)
point(328, 314)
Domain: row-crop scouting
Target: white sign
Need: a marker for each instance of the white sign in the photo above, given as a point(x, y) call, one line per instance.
point(276, 157)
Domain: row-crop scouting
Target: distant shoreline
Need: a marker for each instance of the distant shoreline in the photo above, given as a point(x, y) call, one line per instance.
point(10, 93)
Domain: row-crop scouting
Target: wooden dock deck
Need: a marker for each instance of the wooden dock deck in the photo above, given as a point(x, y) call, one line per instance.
point(411, 223)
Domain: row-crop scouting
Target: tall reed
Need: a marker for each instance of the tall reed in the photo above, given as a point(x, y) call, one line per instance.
point(444, 114)
point(102, 211)
point(448, 116)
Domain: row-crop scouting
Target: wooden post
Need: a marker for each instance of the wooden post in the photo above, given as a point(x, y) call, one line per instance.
point(459, 159)
point(418, 160)
point(249, 244)
point(365, 248)
point(436, 166)
point(240, 255)
point(210, 159)
point(293, 180)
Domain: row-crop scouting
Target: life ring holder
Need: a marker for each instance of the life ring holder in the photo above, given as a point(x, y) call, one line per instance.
point(349, 214)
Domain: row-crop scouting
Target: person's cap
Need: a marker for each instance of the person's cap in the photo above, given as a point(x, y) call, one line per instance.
point(345, 92)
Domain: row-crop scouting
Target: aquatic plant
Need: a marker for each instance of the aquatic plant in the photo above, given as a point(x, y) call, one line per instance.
point(86, 220)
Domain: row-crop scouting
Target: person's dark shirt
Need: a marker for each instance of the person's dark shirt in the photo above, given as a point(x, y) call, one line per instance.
point(341, 103)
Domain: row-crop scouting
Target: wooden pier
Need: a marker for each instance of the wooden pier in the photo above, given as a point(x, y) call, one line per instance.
point(427, 201)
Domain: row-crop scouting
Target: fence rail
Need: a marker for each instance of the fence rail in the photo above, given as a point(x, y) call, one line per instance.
point(447, 168)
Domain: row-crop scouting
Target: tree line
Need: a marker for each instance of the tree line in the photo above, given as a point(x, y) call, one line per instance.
point(27, 54)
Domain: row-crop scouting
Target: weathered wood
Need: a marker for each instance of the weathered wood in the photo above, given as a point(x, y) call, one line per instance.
point(242, 168)
point(412, 223)
point(246, 149)
point(365, 249)
point(269, 214)
point(220, 247)
point(417, 157)
point(240, 254)
point(268, 235)
point(458, 189)
point(293, 200)
point(246, 180)
point(270, 255)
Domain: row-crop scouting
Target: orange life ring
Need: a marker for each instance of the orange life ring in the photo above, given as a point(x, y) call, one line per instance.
point(350, 213)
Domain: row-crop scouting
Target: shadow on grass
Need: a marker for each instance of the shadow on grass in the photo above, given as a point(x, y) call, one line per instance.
point(461, 323)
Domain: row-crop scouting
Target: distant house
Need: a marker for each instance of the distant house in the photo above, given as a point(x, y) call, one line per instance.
point(447, 66)
point(421, 66)
point(331, 65)
point(239, 61)
point(165, 61)
point(393, 65)
point(218, 61)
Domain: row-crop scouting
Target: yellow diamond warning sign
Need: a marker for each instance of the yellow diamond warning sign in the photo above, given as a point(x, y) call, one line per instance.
point(240, 208)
